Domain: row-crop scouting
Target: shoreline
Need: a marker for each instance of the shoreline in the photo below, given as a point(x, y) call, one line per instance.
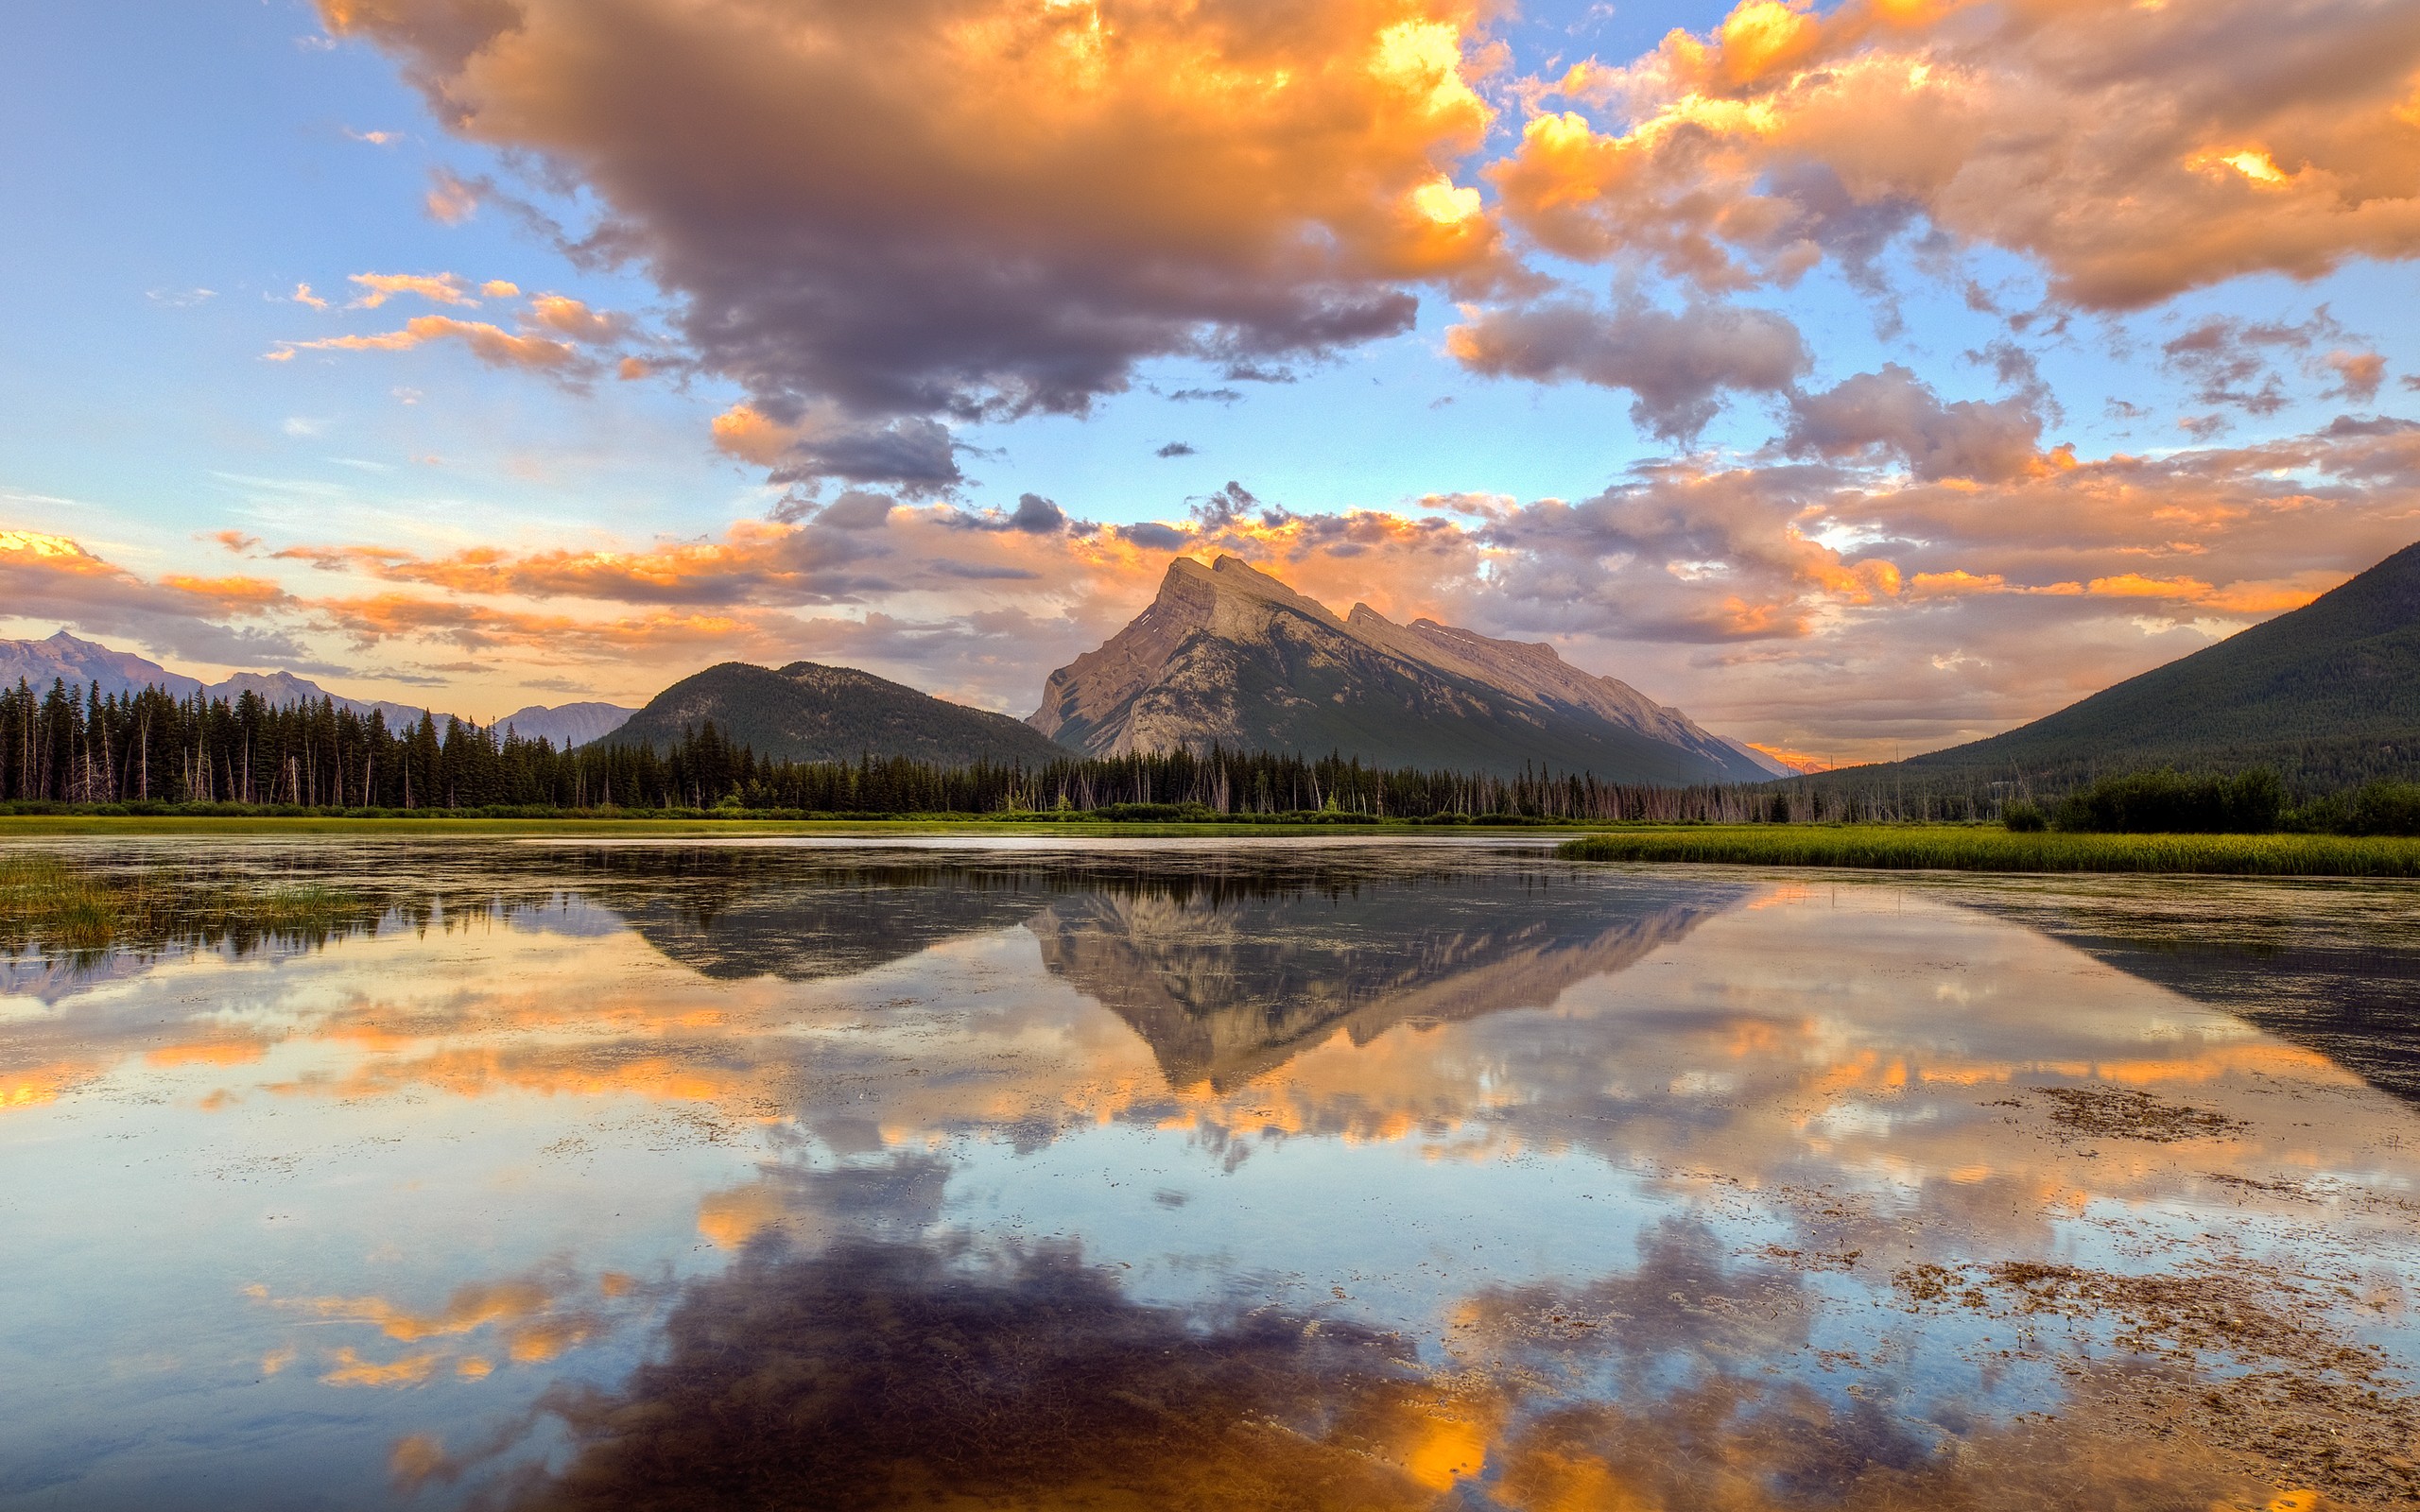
point(1975, 847)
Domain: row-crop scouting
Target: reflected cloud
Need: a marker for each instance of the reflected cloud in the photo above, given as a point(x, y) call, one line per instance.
point(527, 1319)
point(874, 1375)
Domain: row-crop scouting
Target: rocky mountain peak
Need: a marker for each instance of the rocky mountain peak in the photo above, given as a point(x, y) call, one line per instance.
point(1228, 654)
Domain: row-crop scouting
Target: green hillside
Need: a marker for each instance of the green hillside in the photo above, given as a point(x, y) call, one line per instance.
point(809, 713)
point(2328, 695)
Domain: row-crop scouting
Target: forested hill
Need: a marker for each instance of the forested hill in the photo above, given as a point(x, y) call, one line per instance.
point(806, 712)
point(2327, 696)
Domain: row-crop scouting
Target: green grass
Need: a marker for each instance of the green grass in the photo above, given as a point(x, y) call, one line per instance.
point(55, 903)
point(1985, 848)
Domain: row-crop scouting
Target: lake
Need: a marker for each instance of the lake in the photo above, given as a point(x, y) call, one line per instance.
point(1295, 1174)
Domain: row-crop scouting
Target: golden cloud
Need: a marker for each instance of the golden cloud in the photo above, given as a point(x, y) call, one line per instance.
point(491, 344)
point(438, 288)
point(2133, 151)
point(952, 206)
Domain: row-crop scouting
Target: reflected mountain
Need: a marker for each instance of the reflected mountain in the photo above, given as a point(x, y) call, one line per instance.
point(2342, 982)
point(835, 923)
point(801, 916)
point(2359, 1007)
point(1225, 988)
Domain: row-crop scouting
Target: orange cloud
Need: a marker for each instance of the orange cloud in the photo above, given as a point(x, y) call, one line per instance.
point(568, 317)
point(491, 344)
point(438, 288)
point(992, 205)
point(744, 432)
point(2133, 151)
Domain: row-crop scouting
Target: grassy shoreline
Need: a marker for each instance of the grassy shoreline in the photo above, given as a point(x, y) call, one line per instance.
point(1985, 848)
point(1870, 847)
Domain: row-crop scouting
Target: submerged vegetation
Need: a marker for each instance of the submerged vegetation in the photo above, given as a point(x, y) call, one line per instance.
point(1982, 848)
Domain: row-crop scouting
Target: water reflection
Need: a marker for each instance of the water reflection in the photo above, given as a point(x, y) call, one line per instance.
point(1227, 1177)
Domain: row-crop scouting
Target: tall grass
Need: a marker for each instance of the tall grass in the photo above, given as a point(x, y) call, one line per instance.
point(1985, 848)
point(49, 903)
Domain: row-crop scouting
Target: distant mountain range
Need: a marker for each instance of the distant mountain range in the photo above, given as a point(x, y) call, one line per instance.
point(1231, 655)
point(81, 663)
point(808, 713)
point(2328, 695)
point(567, 724)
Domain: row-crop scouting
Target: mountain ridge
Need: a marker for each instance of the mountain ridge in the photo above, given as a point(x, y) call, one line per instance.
point(2327, 694)
point(1230, 655)
point(811, 713)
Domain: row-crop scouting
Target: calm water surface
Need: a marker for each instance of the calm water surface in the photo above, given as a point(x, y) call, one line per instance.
point(1209, 1176)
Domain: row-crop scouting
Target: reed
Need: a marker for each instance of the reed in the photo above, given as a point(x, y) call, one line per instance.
point(1990, 847)
point(50, 902)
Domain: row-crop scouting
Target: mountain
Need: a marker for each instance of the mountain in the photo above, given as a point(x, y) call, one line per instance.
point(2327, 694)
point(81, 663)
point(818, 714)
point(565, 725)
point(1230, 655)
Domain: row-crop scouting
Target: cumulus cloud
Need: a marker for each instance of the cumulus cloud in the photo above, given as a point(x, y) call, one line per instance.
point(569, 317)
point(1677, 365)
point(1174, 448)
point(940, 209)
point(915, 457)
point(54, 578)
point(1895, 411)
point(2357, 375)
point(2131, 151)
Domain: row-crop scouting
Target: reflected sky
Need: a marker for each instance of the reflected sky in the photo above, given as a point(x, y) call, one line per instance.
point(1212, 1176)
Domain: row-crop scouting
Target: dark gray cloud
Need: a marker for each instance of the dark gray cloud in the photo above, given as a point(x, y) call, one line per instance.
point(856, 509)
point(913, 456)
point(1152, 536)
point(1174, 448)
point(1899, 413)
point(1678, 365)
point(2232, 362)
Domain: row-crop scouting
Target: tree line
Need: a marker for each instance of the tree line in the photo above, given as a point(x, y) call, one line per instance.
point(153, 749)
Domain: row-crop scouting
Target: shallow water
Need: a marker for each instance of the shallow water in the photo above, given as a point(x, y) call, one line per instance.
point(1298, 1174)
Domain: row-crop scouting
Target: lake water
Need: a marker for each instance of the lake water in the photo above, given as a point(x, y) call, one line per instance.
point(1219, 1175)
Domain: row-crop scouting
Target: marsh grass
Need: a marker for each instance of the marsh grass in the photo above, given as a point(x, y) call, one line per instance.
point(52, 905)
point(1990, 847)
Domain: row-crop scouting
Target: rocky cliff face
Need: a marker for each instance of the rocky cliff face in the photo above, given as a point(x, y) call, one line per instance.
point(1231, 656)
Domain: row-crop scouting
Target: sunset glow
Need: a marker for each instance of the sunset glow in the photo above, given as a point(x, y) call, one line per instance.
point(1862, 377)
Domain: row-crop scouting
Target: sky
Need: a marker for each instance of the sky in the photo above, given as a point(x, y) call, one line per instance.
point(1861, 378)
